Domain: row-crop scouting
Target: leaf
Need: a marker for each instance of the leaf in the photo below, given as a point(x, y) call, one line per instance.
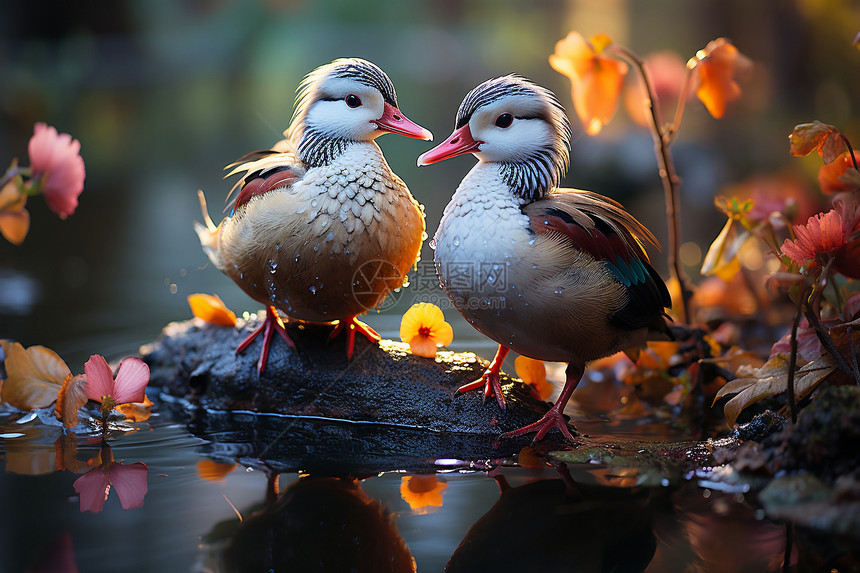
point(34, 376)
point(212, 470)
point(770, 380)
point(136, 411)
point(809, 137)
point(211, 309)
point(721, 258)
point(72, 397)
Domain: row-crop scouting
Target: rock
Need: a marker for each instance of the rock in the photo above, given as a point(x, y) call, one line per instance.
point(383, 384)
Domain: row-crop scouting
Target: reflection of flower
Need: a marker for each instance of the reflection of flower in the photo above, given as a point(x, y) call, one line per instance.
point(718, 64)
point(211, 309)
point(423, 326)
point(596, 78)
point(834, 177)
point(422, 492)
point(56, 157)
point(211, 470)
point(533, 373)
point(131, 379)
point(828, 234)
point(129, 481)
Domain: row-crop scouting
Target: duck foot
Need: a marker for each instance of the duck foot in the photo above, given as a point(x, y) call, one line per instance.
point(490, 380)
point(271, 324)
point(552, 419)
point(351, 326)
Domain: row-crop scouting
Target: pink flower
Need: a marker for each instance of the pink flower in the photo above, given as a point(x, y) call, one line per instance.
point(129, 481)
point(56, 156)
point(131, 380)
point(829, 234)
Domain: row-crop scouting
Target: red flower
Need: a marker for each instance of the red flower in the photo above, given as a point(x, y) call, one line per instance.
point(56, 157)
point(835, 234)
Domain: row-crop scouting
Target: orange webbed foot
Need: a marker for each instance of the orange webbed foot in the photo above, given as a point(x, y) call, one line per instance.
point(271, 324)
point(352, 325)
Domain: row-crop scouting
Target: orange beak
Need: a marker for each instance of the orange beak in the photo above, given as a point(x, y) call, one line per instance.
point(393, 121)
point(458, 143)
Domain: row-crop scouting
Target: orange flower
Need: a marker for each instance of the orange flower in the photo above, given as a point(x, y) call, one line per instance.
point(210, 308)
point(422, 492)
point(533, 373)
point(835, 234)
point(596, 79)
point(423, 326)
point(14, 218)
point(718, 64)
point(840, 175)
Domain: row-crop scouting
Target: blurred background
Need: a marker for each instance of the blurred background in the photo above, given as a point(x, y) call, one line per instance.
point(163, 94)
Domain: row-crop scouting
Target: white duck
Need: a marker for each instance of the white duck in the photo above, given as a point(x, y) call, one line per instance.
point(554, 274)
point(320, 228)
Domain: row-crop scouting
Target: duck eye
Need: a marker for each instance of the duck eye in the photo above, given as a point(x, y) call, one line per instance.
point(352, 100)
point(504, 120)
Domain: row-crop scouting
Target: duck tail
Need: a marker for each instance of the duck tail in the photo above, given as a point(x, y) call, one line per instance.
point(208, 233)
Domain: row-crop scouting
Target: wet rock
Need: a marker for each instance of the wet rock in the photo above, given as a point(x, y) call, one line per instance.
point(383, 384)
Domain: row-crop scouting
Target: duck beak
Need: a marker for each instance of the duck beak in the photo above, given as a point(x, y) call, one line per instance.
point(393, 121)
point(457, 143)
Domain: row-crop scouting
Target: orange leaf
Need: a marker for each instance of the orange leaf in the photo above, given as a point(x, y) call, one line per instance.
point(718, 64)
point(809, 137)
point(211, 309)
point(34, 376)
point(596, 79)
point(533, 372)
point(72, 397)
point(839, 175)
point(136, 411)
point(211, 470)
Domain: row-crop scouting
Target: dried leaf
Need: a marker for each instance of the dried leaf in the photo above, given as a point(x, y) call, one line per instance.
point(211, 309)
point(809, 137)
point(770, 380)
point(136, 411)
point(72, 397)
point(33, 376)
point(721, 258)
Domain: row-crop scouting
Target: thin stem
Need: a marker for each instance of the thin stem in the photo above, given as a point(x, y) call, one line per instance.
point(813, 316)
point(672, 131)
point(850, 149)
point(792, 362)
point(671, 183)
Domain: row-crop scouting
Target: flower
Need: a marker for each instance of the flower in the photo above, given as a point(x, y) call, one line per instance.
point(840, 175)
point(596, 79)
point(56, 158)
point(835, 234)
point(422, 492)
point(14, 218)
point(533, 373)
point(129, 481)
point(211, 309)
point(131, 379)
point(718, 64)
point(423, 326)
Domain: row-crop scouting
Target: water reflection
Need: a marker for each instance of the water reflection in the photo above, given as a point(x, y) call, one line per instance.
point(128, 480)
point(316, 524)
point(559, 525)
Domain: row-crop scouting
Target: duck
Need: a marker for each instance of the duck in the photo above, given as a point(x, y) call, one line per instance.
point(319, 228)
point(551, 273)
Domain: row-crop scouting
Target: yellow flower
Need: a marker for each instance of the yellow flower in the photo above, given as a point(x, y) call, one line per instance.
point(533, 372)
point(422, 492)
point(423, 326)
point(211, 309)
point(718, 64)
point(596, 79)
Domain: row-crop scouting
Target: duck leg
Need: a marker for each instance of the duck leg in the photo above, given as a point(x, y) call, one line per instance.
point(554, 418)
point(490, 379)
point(352, 325)
point(271, 324)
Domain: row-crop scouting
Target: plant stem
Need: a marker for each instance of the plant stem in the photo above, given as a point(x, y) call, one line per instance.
point(671, 183)
point(850, 150)
point(792, 362)
point(813, 313)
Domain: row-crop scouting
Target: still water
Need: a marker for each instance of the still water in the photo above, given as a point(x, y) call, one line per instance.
point(209, 494)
